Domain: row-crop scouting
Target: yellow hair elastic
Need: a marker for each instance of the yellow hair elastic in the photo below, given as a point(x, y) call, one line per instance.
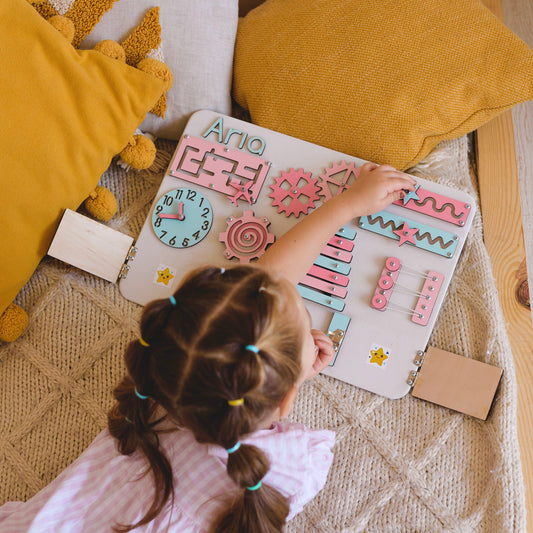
point(143, 342)
point(234, 403)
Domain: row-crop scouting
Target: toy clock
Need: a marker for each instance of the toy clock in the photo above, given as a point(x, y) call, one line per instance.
point(182, 217)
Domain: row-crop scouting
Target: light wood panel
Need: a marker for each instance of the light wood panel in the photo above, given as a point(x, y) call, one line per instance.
point(504, 238)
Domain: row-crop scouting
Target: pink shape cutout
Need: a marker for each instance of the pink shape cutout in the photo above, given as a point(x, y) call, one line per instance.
point(246, 237)
point(219, 168)
point(438, 206)
point(287, 188)
point(427, 299)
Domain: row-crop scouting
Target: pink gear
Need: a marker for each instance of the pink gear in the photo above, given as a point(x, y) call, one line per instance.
point(246, 237)
point(337, 179)
point(294, 192)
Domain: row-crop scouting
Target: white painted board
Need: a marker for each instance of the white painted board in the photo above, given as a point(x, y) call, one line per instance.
point(369, 328)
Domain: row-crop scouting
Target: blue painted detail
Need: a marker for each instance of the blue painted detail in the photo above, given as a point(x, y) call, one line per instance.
point(320, 298)
point(331, 264)
point(337, 331)
point(347, 233)
point(428, 238)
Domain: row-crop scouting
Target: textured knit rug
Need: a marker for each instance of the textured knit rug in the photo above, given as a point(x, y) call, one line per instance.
point(400, 465)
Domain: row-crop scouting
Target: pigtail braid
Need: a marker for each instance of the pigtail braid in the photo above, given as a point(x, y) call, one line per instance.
point(262, 509)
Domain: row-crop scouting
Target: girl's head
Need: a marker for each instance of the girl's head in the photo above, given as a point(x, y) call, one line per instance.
point(224, 357)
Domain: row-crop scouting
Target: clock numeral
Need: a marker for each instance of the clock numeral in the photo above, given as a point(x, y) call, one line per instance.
point(196, 234)
point(191, 195)
point(168, 200)
point(158, 209)
point(157, 223)
point(205, 225)
point(185, 243)
point(206, 212)
point(201, 201)
point(172, 241)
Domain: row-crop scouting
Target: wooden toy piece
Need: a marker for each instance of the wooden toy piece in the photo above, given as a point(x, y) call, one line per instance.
point(232, 172)
point(387, 280)
point(182, 217)
point(337, 331)
point(426, 237)
point(337, 178)
point(457, 382)
point(294, 192)
point(92, 246)
point(427, 299)
point(436, 206)
point(246, 237)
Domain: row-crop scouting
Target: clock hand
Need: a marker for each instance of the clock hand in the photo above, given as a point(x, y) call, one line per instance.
point(179, 216)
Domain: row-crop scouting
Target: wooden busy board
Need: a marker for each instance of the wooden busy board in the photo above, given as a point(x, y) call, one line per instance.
point(232, 187)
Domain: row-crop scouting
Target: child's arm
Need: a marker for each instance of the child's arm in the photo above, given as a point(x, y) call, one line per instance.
point(294, 252)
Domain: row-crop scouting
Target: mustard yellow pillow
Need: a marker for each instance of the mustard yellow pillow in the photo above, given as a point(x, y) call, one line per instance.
point(383, 81)
point(64, 114)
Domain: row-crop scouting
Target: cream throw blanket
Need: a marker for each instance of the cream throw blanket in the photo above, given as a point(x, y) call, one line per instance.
point(400, 465)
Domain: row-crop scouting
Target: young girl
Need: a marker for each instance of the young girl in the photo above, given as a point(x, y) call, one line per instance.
point(195, 442)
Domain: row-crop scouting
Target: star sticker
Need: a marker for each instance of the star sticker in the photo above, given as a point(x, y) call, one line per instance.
point(164, 276)
point(406, 234)
point(411, 195)
point(378, 356)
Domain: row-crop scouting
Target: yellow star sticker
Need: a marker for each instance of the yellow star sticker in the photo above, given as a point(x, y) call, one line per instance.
point(164, 276)
point(378, 356)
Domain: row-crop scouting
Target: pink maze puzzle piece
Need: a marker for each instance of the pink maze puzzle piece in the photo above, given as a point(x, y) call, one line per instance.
point(212, 165)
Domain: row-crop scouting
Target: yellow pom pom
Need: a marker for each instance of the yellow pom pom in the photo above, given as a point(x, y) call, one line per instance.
point(13, 322)
point(111, 49)
point(101, 204)
point(64, 26)
point(158, 69)
point(139, 153)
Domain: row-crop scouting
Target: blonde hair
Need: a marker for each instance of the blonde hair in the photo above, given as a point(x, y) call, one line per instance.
point(195, 363)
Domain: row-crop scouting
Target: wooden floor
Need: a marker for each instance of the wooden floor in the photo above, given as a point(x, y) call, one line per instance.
point(505, 167)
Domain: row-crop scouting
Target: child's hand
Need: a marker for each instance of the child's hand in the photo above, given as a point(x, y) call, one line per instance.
point(378, 186)
point(324, 352)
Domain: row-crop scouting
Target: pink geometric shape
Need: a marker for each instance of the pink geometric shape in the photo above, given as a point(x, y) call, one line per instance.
point(338, 176)
point(324, 286)
point(291, 196)
point(427, 299)
point(386, 282)
point(335, 253)
point(339, 242)
point(438, 206)
point(328, 275)
point(246, 237)
point(219, 168)
point(406, 234)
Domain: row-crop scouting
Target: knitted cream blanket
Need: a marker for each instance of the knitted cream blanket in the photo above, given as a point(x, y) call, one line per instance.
point(400, 465)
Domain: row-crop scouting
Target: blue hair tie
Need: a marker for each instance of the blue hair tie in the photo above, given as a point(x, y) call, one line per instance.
point(255, 487)
point(139, 395)
point(252, 348)
point(234, 448)
point(173, 301)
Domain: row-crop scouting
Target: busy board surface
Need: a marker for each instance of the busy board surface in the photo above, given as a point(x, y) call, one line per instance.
point(232, 188)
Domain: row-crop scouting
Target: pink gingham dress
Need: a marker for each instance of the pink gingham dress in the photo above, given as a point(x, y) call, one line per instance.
point(103, 488)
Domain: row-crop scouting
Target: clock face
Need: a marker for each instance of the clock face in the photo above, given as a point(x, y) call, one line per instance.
point(182, 218)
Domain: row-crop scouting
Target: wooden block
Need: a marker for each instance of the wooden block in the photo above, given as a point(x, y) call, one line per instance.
point(90, 246)
point(457, 382)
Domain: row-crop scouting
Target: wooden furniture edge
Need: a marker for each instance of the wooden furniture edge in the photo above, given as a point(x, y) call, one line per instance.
point(504, 239)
